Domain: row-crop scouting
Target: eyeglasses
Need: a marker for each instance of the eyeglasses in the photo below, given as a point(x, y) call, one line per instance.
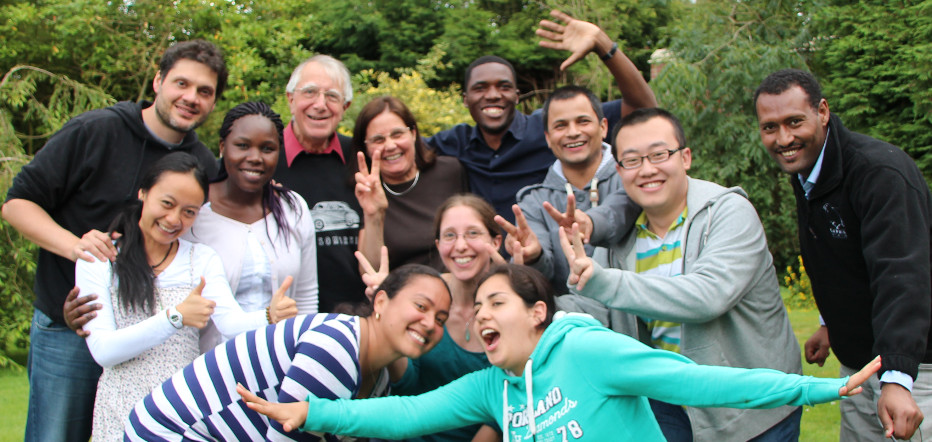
point(469, 236)
point(633, 162)
point(397, 134)
point(330, 96)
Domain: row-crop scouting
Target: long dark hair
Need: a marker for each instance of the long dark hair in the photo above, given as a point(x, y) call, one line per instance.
point(424, 156)
point(272, 194)
point(131, 269)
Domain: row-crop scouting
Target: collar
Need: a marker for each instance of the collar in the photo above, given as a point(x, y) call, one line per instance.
point(607, 161)
point(817, 167)
point(293, 146)
point(641, 223)
point(516, 129)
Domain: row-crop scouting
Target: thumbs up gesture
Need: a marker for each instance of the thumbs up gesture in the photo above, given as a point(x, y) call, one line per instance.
point(196, 309)
point(282, 307)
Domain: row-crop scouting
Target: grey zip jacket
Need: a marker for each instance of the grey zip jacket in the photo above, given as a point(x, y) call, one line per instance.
point(727, 299)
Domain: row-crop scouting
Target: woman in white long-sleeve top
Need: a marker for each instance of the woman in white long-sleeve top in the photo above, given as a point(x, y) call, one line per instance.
point(158, 292)
point(262, 231)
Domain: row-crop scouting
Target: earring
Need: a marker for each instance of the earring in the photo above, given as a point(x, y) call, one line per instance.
point(467, 331)
point(378, 316)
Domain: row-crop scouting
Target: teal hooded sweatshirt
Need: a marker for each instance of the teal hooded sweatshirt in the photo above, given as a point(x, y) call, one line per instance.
point(582, 382)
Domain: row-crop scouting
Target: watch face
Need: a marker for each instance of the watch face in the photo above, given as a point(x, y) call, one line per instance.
point(175, 318)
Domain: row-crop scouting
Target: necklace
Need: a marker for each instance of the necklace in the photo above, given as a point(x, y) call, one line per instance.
point(387, 189)
point(169, 252)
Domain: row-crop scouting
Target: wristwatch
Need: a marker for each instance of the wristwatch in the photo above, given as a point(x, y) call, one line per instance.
point(611, 52)
point(175, 318)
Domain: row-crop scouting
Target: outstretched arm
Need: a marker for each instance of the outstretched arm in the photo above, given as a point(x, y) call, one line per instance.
point(581, 37)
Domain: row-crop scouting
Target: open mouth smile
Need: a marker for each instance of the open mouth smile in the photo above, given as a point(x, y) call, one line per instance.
point(490, 338)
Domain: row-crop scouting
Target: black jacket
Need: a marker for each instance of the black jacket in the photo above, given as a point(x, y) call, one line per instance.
point(82, 177)
point(865, 239)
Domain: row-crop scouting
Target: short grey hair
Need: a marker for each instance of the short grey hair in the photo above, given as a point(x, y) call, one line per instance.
point(333, 67)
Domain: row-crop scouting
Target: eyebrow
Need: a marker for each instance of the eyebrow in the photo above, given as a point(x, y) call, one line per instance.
point(477, 303)
point(649, 146)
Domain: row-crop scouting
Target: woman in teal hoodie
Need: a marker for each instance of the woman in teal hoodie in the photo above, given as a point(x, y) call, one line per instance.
point(557, 377)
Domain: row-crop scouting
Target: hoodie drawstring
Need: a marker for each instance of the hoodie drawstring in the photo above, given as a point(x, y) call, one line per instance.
point(529, 387)
point(505, 419)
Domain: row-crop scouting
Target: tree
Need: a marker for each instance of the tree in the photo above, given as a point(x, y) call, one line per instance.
point(721, 52)
point(874, 60)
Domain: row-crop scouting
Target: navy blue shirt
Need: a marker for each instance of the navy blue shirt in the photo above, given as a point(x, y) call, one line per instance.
point(522, 159)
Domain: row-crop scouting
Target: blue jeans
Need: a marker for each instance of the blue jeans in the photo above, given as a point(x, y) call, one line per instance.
point(62, 383)
point(784, 431)
point(673, 420)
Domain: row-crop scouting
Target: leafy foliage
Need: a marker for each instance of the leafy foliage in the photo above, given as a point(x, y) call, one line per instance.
point(434, 109)
point(798, 294)
point(17, 254)
point(874, 60)
point(721, 52)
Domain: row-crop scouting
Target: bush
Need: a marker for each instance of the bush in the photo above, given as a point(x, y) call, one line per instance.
point(17, 271)
point(798, 293)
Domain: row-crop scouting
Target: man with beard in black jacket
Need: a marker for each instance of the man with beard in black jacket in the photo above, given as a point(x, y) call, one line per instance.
point(65, 199)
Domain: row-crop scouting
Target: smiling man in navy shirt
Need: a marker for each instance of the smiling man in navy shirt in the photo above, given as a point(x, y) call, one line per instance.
point(506, 150)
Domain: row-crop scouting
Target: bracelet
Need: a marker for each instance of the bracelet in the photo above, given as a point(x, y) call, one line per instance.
point(268, 316)
point(611, 52)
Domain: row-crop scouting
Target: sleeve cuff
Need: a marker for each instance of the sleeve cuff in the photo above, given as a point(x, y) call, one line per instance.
point(897, 377)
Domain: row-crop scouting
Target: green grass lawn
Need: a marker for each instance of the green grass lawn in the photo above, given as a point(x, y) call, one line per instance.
point(14, 393)
point(820, 423)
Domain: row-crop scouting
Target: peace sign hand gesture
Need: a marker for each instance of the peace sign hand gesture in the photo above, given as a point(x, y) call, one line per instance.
point(369, 190)
point(520, 240)
point(370, 277)
point(580, 264)
point(572, 216)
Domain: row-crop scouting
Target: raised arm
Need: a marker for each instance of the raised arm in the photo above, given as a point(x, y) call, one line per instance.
point(580, 38)
point(374, 204)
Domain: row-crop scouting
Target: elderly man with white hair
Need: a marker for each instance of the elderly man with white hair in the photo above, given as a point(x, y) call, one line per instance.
point(318, 165)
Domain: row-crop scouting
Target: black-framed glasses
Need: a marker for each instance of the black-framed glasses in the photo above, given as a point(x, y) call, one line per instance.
point(634, 161)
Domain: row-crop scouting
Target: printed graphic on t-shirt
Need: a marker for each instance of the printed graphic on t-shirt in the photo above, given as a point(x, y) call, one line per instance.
point(549, 428)
point(334, 215)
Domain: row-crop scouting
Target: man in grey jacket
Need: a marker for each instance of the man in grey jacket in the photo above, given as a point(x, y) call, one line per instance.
point(580, 186)
point(697, 272)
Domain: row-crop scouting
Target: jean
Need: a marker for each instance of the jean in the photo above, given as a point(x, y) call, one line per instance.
point(784, 431)
point(673, 420)
point(62, 383)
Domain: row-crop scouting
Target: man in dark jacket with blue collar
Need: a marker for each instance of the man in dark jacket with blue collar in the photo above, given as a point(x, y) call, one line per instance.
point(865, 217)
point(68, 195)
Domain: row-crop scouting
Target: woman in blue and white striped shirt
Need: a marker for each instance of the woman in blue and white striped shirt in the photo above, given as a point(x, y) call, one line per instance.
point(325, 355)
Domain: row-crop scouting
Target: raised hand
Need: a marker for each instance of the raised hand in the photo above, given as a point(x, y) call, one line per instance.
point(520, 240)
point(96, 243)
point(195, 309)
point(79, 311)
point(370, 277)
point(580, 264)
point(369, 191)
point(497, 258)
point(577, 36)
point(290, 414)
point(572, 215)
point(281, 306)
